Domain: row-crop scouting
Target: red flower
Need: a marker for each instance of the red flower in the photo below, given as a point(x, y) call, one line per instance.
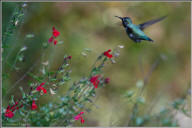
point(39, 88)
point(95, 81)
point(51, 39)
point(107, 54)
point(21, 106)
point(77, 117)
point(82, 120)
point(55, 32)
point(68, 58)
point(55, 42)
point(106, 80)
point(44, 90)
point(9, 113)
point(33, 106)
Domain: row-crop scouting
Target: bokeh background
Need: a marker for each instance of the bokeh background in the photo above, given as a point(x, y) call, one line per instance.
point(93, 25)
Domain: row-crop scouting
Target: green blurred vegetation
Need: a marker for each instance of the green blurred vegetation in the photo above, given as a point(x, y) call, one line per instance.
point(93, 25)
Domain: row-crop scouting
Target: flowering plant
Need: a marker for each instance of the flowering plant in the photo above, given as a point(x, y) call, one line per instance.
point(71, 106)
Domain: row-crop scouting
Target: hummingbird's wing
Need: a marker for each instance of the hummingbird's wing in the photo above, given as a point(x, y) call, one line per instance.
point(148, 23)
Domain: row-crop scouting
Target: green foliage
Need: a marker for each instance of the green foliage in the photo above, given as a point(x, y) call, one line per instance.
point(15, 21)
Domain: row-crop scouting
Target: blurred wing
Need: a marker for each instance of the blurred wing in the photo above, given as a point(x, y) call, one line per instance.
point(148, 23)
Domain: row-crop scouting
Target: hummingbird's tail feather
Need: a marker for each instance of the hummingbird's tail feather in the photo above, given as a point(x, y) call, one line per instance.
point(149, 39)
point(148, 23)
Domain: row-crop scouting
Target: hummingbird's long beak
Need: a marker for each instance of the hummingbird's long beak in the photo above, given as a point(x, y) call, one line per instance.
point(119, 17)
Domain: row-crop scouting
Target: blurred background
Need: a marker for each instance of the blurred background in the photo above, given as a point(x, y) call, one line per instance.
point(93, 25)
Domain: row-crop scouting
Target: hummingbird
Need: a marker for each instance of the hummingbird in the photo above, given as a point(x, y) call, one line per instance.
point(135, 32)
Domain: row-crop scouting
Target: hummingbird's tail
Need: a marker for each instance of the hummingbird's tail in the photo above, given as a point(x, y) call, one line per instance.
point(149, 39)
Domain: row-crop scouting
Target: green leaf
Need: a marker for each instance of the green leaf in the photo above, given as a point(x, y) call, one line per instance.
point(23, 49)
point(21, 113)
point(5, 75)
point(66, 78)
point(177, 103)
point(45, 45)
point(29, 36)
point(139, 121)
point(60, 42)
point(140, 83)
point(53, 79)
point(88, 49)
point(129, 93)
point(164, 111)
point(166, 122)
point(23, 93)
point(12, 100)
point(140, 100)
point(21, 57)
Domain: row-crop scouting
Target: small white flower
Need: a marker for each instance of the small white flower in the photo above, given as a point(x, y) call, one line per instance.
point(45, 63)
point(120, 46)
point(24, 5)
point(113, 61)
point(116, 54)
point(54, 85)
point(16, 22)
point(84, 54)
point(52, 92)
point(23, 48)
point(43, 70)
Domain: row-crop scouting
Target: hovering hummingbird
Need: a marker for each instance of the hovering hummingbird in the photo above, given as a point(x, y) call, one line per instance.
point(135, 32)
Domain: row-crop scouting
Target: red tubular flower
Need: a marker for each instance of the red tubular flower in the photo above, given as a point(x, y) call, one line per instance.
point(13, 109)
point(42, 84)
point(82, 120)
point(77, 117)
point(39, 88)
point(51, 39)
point(33, 106)
point(107, 54)
point(95, 81)
point(44, 90)
point(21, 106)
point(55, 32)
point(9, 113)
point(55, 42)
point(69, 57)
point(106, 80)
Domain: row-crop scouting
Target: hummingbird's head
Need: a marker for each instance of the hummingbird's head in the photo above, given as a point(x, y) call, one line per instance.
point(125, 20)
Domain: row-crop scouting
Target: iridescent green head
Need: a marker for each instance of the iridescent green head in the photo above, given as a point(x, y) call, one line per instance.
point(125, 20)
